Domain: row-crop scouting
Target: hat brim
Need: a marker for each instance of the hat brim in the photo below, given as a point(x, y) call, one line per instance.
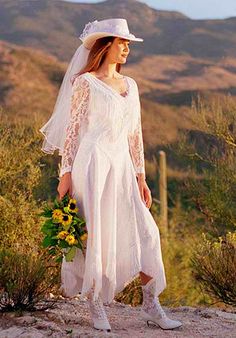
point(89, 41)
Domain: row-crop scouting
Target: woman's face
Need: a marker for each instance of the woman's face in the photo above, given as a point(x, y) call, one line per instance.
point(119, 50)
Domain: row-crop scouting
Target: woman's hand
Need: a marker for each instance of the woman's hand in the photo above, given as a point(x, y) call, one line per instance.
point(144, 191)
point(64, 185)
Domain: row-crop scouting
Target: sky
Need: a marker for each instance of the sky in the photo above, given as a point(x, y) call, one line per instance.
point(194, 9)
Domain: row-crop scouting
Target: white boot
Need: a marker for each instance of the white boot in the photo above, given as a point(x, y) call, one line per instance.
point(98, 314)
point(152, 311)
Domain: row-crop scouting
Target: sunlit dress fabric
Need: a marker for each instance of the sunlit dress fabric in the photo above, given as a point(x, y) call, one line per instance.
point(104, 152)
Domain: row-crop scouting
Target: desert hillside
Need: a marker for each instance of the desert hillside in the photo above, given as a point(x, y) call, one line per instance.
point(29, 80)
point(54, 26)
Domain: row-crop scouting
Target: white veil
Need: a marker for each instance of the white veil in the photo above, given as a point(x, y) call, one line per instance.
point(54, 130)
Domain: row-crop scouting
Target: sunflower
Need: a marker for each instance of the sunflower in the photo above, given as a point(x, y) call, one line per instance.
point(84, 237)
point(66, 219)
point(72, 206)
point(57, 214)
point(70, 239)
point(62, 234)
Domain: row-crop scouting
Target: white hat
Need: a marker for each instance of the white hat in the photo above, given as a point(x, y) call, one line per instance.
point(109, 27)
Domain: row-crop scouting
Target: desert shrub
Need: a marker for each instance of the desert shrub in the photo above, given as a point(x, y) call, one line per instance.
point(22, 179)
point(212, 155)
point(21, 172)
point(19, 223)
point(214, 263)
point(25, 279)
point(213, 193)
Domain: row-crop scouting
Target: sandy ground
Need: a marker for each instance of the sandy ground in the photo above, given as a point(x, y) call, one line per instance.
point(70, 318)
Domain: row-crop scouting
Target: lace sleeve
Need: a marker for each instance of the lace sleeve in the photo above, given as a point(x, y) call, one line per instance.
point(135, 139)
point(79, 112)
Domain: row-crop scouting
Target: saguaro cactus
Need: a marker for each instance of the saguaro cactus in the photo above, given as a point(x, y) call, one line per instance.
point(163, 190)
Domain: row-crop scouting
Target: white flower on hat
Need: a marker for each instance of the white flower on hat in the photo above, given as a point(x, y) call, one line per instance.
point(88, 28)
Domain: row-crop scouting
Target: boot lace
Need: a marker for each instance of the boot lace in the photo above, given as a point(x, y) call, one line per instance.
point(151, 305)
point(96, 308)
point(159, 307)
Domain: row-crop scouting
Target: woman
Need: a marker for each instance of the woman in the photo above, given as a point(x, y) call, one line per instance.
point(102, 167)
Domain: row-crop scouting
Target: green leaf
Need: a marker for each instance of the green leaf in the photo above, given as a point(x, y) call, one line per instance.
point(65, 199)
point(66, 227)
point(49, 227)
point(63, 244)
point(47, 213)
point(49, 232)
point(70, 254)
point(59, 259)
point(49, 223)
point(79, 244)
point(48, 241)
point(66, 209)
point(56, 204)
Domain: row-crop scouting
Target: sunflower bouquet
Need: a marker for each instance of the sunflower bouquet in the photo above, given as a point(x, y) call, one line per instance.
point(64, 229)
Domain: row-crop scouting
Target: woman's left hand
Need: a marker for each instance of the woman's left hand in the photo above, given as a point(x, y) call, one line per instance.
point(145, 192)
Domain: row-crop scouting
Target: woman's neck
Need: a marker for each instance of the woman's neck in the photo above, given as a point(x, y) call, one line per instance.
point(107, 70)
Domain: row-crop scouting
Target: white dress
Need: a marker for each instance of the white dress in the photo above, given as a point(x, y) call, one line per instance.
point(103, 151)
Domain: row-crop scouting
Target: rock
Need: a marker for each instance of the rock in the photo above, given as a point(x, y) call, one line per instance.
point(26, 320)
point(16, 332)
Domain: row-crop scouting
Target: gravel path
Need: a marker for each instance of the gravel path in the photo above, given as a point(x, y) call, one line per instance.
point(70, 318)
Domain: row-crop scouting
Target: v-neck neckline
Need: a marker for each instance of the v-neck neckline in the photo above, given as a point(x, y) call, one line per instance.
point(110, 87)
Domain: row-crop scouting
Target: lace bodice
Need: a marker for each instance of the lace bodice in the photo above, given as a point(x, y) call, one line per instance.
point(83, 93)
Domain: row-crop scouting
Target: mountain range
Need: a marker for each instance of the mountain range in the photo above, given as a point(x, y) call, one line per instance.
point(55, 26)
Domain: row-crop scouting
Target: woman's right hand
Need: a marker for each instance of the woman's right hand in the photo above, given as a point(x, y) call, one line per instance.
point(64, 185)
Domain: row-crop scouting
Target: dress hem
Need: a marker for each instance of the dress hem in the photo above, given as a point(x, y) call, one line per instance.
point(83, 296)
